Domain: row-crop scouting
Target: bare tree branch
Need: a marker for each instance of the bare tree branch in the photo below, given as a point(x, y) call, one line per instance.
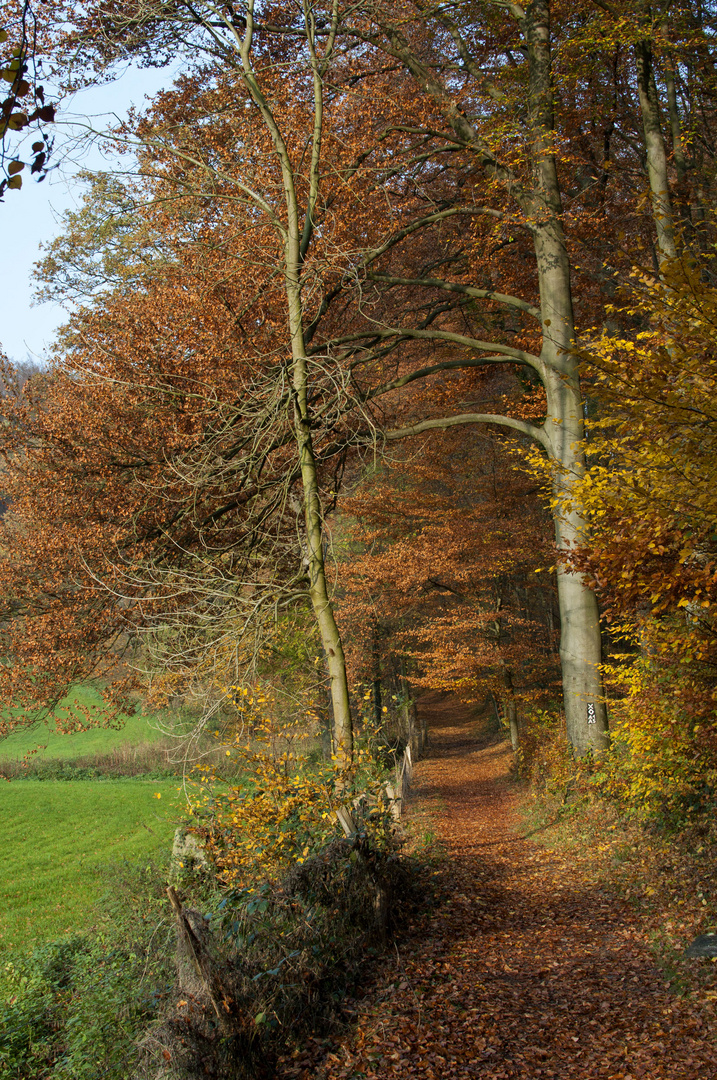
point(467, 290)
point(533, 432)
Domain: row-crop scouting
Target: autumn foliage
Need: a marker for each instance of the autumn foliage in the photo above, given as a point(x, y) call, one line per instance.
point(444, 563)
point(351, 281)
point(649, 495)
point(400, 320)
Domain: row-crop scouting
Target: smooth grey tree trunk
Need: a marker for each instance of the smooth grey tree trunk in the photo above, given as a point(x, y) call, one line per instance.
point(512, 714)
point(563, 431)
point(675, 126)
point(580, 642)
point(655, 151)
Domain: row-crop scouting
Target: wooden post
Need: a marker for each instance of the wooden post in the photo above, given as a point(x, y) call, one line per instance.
point(204, 966)
point(415, 732)
point(345, 821)
point(394, 801)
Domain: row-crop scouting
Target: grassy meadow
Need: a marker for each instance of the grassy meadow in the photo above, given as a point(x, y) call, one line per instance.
point(41, 740)
point(59, 839)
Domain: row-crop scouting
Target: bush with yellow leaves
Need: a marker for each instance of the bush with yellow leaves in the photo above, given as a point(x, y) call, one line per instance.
point(662, 764)
point(282, 808)
point(545, 757)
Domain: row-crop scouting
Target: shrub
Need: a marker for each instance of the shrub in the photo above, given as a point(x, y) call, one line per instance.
point(257, 955)
point(282, 810)
point(661, 767)
point(277, 960)
point(73, 1008)
point(545, 758)
point(662, 764)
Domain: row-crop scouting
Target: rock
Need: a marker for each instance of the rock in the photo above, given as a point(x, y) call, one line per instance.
point(188, 854)
point(704, 945)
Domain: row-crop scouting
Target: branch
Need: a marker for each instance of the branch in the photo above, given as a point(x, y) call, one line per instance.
point(375, 253)
point(431, 219)
point(536, 433)
point(468, 290)
point(516, 355)
point(422, 373)
point(464, 129)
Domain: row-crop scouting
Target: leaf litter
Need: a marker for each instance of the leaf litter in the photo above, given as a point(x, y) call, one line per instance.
point(527, 968)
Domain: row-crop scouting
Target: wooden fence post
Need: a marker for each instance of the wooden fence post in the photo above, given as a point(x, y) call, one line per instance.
point(203, 964)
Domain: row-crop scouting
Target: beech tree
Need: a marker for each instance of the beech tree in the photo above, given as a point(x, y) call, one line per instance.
point(531, 183)
point(419, 237)
point(282, 203)
point(247, 407)
point(474, 78)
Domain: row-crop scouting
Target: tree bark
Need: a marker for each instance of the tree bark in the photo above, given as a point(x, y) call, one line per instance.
point(580, 644)
point(297, 238)
point(318, 588)
point(675, 126)
point(563, 431)
point(512, 713)
point(655, 151)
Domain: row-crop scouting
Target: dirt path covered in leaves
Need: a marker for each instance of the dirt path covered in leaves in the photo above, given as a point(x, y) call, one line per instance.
point(524, 971)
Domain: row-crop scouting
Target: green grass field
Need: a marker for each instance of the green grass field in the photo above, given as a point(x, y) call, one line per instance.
point(136, 729)
point(58, 839)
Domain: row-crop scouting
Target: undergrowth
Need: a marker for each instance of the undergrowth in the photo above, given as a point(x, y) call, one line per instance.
point(262, 948)
point(152, 760)
point(282, 959)
point(125, 1001)
point(72, 1009)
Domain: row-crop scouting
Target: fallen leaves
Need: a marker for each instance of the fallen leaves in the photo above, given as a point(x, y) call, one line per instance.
point(547, 976)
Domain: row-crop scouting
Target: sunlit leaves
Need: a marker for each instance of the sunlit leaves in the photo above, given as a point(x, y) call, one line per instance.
point(280, 808)
point(650, 492)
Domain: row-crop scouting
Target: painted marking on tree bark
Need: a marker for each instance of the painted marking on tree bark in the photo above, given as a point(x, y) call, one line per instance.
point(592, 718)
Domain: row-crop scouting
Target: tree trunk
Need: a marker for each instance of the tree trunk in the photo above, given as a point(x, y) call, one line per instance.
point(562, 433)
point(499, 725)
point(580, 644)
point(675, 126)
point(655, 149)
point(318, 590)
point(415, 730)
point(512, 714)
point(296, 239)
point(421, 722)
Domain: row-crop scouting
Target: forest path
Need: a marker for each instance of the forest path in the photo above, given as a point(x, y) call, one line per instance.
point(525, 971)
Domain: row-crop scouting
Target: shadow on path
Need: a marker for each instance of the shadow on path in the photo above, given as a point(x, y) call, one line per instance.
point(526, 971)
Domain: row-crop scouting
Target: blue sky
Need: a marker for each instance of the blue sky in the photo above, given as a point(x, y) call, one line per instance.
point(32, 216)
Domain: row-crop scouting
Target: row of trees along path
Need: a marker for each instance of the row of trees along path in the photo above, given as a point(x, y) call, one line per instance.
point(525, 969)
